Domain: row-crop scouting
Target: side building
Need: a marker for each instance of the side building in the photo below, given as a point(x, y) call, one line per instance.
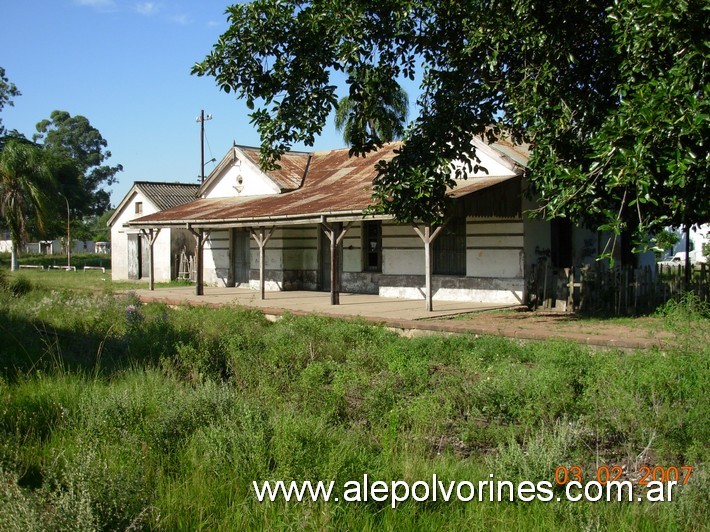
point(129, 246)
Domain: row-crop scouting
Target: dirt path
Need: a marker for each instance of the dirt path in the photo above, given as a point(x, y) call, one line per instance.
point(643, 332)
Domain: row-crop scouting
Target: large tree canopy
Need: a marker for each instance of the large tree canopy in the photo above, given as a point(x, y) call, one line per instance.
point(611, 95)
point(73, 138)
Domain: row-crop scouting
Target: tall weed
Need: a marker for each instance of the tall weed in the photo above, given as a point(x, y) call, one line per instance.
point(538, 455)
point(689, 319)
point(20, 285)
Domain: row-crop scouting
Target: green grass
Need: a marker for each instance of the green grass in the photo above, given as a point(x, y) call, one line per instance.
point(115, 414)
point(81, 280)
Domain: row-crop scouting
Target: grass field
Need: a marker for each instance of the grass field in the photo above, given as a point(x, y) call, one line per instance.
point(82, 280)
point(117, 415)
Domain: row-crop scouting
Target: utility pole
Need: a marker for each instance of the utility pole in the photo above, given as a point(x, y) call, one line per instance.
point(199, 234)
point(201, 119)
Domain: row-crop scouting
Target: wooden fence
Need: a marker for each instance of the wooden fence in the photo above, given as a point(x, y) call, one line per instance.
point(619, 290)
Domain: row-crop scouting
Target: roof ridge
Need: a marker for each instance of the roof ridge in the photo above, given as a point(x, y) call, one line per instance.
point(288, 152)
point(171, 183)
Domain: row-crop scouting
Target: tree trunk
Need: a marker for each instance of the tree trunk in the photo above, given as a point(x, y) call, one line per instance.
point(14, 256)
point(688, 267)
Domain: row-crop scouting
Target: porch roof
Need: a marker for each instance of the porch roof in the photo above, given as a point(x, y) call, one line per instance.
point(335, 186)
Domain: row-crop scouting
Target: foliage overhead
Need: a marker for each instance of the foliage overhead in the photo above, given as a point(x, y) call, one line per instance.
point(611, 95)
point(73, 138)
point(8, 91)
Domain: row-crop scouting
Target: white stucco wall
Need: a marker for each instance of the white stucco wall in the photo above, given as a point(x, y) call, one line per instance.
point(402, 250)
point(119, 241)
point(161, 258)
point(119, 234)
point(216, 255)
point(495, 249)
point(299, 246)
point(277, 257)
point(352, 249)
point(495, 258)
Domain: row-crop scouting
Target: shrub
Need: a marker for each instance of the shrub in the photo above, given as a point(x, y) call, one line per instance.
point(688, 308)
point(49, 508)
point(20, 285)
point(538, 456)
point(688, 319)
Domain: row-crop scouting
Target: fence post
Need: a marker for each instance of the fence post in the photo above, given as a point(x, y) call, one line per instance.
point(544, 288)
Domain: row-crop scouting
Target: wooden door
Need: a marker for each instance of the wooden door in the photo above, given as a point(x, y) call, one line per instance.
point(241, 254)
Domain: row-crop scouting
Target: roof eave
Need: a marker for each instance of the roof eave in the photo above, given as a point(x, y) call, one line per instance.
point(286, 219)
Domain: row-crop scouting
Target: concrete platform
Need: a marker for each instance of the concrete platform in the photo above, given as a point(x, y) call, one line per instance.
point(370, 307)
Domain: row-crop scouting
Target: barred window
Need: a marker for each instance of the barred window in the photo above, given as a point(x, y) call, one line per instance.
point(450, 248)
point(372, 246)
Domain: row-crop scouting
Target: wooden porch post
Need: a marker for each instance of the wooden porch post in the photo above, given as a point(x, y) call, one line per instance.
point(151, 235)
point(428, 236)
point(335, 234)
point(199, 271)
point(261, 241)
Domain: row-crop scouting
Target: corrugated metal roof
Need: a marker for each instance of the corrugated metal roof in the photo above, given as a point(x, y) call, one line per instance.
point(334, 183)
point(520, 153)
point(293, 167)
point(167, 195)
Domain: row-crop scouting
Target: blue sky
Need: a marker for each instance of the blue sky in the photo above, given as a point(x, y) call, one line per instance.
point(125, 65)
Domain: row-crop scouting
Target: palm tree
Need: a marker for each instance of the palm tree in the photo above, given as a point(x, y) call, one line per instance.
point(25, 181)
point(386, 122)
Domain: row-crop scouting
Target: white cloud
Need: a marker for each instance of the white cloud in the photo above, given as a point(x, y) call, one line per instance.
point(102, 5)
point(147, 8)
point(183, 20)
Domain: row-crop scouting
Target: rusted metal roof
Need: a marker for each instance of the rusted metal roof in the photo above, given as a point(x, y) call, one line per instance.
point(519, 153)
point(331, 183)
point(167, 195)
point(293, 167)
point(334, 183)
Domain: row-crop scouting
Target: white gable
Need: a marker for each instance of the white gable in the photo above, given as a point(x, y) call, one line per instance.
point(235, 176)
point(494, 163)
point(134, 205)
